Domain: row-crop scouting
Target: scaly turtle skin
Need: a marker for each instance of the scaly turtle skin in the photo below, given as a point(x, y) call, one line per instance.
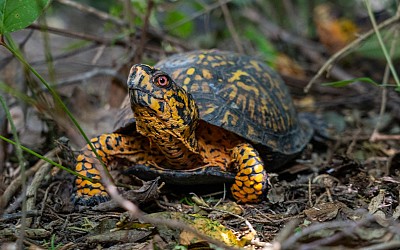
point(200, 117)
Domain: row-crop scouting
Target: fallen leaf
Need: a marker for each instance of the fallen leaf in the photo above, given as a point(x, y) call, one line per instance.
point(205, 226)
point(324, 212)
point(376, 202)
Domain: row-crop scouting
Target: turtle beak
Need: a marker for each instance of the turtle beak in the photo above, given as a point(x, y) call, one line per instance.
point(137, 97)
point(133, 96)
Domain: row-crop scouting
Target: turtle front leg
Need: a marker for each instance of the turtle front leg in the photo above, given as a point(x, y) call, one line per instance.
point(251, 181)
point(109, 147)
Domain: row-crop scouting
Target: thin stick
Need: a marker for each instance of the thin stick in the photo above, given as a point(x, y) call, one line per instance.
point(32, 190)
point(88, 9)
point(79, 35)
point(140, 48)
point(207, 9)
point(231, 27)
point(310, 193)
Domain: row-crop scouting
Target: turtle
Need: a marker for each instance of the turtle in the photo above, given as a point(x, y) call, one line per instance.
point(200, 117)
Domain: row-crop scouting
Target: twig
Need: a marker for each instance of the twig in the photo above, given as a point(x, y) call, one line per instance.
point(88, 9)
point(140, 48)
point(129, 14)
point(110, 42)
point(206, 9)
point(78, 35)
point(87, 75)
point(292, 17)
point(98, 54)
point(14, 216)
point(34, 186)
point(67, 54)
point(381, 137)
point(347, 49)
point(3, 147)
point(43, 203)
point(231, 27)
point(353, 143)
point(310, 203)
point(8, 59)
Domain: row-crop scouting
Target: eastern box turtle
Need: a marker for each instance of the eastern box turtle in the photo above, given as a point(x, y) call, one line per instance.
point(200, 117)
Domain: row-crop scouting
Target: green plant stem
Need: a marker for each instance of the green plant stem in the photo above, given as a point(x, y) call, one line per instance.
point(21, 162)
point(56, 97)
point(19, 146)
point(47, 48)
point(384, 90)
point(378, 35)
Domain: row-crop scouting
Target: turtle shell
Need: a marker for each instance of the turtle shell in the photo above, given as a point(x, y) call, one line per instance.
point(240, 94)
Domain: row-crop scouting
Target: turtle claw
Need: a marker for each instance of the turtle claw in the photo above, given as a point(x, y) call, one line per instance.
point(89, 201)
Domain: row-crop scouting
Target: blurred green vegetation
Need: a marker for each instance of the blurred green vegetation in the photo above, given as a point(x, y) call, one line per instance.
point(203, 24)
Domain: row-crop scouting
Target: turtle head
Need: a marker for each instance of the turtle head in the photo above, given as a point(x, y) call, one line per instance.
point(161, 106)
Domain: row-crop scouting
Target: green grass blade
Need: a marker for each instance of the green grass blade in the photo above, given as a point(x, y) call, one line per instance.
point(30, 151)
point(344, 83)
point(384, 50)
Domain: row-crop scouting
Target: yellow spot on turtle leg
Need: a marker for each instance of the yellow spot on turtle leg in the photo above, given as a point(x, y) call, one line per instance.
point(78, 166)
point(251, 179)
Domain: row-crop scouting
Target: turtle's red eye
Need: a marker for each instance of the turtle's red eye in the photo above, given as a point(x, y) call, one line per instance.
point(162, 81)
